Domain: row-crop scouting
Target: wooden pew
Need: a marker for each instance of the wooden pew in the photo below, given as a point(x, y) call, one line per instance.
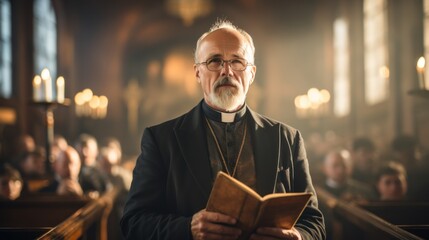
point(399, 213)
point(22, 233)
point(32, 216)
point(48, 216)
point(350, 221)
point(89, 222)
point(408, 215)
point(40, 210)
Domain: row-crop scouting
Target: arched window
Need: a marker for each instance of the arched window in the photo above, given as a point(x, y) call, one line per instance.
point(376, 53)
point(341, 68)
point(45, 37)
point(5, 49)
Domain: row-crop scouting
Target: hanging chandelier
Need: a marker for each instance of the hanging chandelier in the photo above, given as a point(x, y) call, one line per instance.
point(188, 10)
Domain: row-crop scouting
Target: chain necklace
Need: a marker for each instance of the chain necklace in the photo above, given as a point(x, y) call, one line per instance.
point(220, 151)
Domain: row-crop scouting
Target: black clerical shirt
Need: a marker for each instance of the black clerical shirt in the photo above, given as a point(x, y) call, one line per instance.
point(229, 130)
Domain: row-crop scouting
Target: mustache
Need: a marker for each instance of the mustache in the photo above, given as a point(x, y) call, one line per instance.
point(225, 81)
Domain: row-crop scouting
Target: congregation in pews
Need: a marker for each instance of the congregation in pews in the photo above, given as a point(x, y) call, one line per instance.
point(357, 175)
point(80, 172)
point(386, 183)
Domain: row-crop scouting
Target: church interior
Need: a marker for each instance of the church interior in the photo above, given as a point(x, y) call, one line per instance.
point(349, 74)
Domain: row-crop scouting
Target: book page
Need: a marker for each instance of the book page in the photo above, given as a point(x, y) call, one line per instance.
point(282, 209)
point(233, 198)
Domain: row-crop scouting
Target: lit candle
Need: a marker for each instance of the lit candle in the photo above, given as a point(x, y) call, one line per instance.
point(47, 81)
point(421, 72)
point(78, 99)
point(37, 84)
point(60, 89)
point(104, 101)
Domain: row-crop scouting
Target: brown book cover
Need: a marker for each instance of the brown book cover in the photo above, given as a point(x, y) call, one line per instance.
point(233, 198)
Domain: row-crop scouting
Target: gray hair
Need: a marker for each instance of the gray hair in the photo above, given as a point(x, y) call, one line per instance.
point(222, 23)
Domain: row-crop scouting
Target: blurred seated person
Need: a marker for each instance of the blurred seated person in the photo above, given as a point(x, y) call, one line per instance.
point(91, 179)
point(363, 152)
point(337, 169)
point(391, 182)
point(110, 165)
point(25, 143)
point(119, 177)
point(114, 144)
point(10, 182)
point(59, 145)
point(66, 169)
point(32, 164)
point(20, 144)
point(405, 150)
point(32, 167)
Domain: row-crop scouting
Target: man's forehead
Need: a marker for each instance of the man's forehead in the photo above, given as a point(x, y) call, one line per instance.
point(224, 41)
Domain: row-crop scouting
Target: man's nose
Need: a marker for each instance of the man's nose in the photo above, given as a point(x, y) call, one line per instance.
point(226, 69)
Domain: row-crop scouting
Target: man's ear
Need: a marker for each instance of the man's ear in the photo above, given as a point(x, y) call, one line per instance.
point(197, 73)
point(253, 71)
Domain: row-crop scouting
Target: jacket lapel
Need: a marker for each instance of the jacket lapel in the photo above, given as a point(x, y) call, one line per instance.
point(266, 138)
point(191, 139)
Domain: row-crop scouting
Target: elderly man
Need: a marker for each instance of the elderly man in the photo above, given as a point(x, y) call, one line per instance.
point(66, 168)
point(180, 158)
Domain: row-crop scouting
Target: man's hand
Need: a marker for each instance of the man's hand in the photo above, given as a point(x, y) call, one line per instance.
point(211, 225)
point(265, 233)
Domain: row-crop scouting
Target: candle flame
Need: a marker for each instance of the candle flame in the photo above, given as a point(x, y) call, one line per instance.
point(421, 64)
point(60, 81)
point(79, 98)
point(37, 80)
point(326, 96)
point(103, 101)
point(45, 74)
point(87, 94)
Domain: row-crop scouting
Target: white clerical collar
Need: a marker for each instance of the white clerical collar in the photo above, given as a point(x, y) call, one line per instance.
point(225, 117)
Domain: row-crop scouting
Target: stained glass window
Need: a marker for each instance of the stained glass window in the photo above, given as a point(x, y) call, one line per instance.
point(45, 37)
point(5, 50)
point(376, 53)
point(341, 68)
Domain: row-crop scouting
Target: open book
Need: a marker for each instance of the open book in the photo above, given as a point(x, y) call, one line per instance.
point(233, 198)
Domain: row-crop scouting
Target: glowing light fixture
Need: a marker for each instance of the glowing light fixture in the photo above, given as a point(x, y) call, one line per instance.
point(188, 10)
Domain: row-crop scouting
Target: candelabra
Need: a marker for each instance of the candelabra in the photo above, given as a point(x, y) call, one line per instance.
point(49, 120)
point(43, 97)
point(314, 104)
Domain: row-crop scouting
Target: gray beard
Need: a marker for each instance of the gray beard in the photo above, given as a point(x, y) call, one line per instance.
point(229, 98)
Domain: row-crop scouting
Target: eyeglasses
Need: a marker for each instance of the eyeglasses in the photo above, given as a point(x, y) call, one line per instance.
point(216, 64)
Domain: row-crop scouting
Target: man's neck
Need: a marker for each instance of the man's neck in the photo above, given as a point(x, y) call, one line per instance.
point(222, 109)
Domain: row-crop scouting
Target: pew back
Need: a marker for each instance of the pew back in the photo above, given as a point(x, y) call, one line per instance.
point(50, 217)
point(349, 221)
point(400, 213)
point(408, 215)
point(44, 210)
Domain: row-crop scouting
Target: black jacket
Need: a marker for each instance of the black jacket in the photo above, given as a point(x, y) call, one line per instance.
point(172, 178)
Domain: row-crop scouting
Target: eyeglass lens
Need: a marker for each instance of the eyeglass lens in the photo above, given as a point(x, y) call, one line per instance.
point(218, 63)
